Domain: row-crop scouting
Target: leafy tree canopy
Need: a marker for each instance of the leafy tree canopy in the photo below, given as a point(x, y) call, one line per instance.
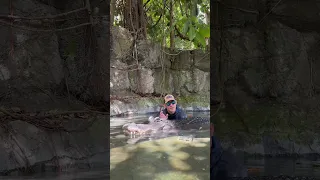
point(187, 21)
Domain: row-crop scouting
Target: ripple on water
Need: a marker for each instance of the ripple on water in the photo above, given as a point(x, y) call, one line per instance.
point(165, 158)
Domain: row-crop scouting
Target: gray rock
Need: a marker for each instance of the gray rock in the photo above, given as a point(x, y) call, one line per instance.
point(26, 145)
point(122, 42)
point(142, 81)
point(119, 79)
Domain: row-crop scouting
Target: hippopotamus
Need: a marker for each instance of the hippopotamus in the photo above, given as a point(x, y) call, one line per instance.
point(157, 124)
point(159, 128)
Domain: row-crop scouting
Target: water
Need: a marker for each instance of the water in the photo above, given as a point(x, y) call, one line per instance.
point(275, 166)
point(117, 137)
point(95, 174)
point(164, 158)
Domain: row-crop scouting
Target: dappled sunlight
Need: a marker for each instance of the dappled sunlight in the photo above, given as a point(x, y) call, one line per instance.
point(186, 156)
point(117, 155)
point(179, 164)
point(168, 158)
point(180, 155)
point(176, 175)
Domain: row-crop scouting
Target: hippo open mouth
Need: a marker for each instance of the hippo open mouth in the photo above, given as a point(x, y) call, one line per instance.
point(154, 125)
point(134, 128)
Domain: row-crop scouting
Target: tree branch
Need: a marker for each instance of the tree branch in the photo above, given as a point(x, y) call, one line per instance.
point(144, 6)
point(240, 9)
point(45, 17)
point(44, 30)
point(180, 34)
point(157, 21)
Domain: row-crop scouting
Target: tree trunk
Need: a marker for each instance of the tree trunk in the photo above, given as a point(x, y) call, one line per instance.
point(134, 18)
point(208, 22)
point(143, 24)
point(112, 9)
point(171, 26)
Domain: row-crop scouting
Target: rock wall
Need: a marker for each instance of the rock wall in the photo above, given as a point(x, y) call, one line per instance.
point(184, 72)
point(270, 69)
point(39, 69)
point(50, 71)
point(269, 57)
point(145, 68)
point(26, 148)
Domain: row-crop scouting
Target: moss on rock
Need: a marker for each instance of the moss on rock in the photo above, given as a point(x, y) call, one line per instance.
point(149, 102)
point(196, 100)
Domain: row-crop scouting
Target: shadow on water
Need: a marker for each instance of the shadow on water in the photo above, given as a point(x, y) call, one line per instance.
point(275, 166)
point(271, 139)
point(165, 158)
point(94, 174)
point(117, 137)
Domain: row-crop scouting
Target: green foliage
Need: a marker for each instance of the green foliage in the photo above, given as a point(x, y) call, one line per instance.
point(189, 22)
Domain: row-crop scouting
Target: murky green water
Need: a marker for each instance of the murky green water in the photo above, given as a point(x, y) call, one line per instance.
point(118, 138)
point(246, 126)
point(275, 166)
point(164, 158)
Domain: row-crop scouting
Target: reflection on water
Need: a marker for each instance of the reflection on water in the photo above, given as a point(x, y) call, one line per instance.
point(96, 174)
point(117, 137)
point(275, 166)
point(164, 158)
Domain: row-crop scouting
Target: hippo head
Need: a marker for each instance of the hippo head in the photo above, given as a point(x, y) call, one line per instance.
point(155, 124)
point(155, 119)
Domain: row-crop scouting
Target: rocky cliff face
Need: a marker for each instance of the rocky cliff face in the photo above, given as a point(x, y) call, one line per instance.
point(270, 57)
point(38, 65)
point(28, 149)
point(145, 68)
point(270, 69)
point(41, 60)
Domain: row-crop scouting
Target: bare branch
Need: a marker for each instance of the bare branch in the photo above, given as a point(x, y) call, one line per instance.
point(44, 30)
point(157, 21)
point(44, 17)
point(269, 11)
point(240, 9)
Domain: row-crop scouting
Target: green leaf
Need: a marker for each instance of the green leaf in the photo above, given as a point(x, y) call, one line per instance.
point(205, 32)
point(194, 19)
point(192, 33)
point(183, 19)
point(185, 27)
point(201, 39)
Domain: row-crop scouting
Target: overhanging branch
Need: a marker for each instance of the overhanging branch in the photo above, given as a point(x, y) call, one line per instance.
point(44, 17)
point(157, 21)
point(44, 30)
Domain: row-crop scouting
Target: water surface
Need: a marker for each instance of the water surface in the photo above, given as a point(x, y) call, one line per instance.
point(275, 166)
point(94, 174)
point(182, 156)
